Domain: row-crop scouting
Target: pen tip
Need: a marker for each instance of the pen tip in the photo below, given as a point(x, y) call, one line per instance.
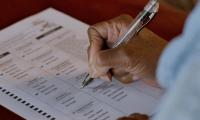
point(82, 86)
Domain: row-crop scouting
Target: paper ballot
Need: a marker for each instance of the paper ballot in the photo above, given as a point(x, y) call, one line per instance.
point(42, 63)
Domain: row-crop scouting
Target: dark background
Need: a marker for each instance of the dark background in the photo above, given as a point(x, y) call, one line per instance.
point(168, 23)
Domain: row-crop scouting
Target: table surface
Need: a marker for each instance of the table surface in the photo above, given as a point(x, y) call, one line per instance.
point(90, 12)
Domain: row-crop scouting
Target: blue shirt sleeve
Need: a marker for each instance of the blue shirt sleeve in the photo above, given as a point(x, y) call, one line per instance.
point(179, 72)
point(176, 55)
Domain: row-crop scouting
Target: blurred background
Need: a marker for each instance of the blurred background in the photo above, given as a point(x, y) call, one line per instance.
point(93, 11)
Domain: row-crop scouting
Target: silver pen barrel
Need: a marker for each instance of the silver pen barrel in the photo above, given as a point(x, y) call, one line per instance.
point(139, 22)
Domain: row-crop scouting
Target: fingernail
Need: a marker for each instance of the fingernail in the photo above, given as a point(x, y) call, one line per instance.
point(107, 78)
point(92, 75)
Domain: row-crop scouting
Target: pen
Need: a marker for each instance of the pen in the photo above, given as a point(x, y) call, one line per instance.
point(136, 25)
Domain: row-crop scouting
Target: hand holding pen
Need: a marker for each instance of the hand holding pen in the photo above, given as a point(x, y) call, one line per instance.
point(123, 57)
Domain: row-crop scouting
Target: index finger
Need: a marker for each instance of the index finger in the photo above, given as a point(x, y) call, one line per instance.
point(97, 34)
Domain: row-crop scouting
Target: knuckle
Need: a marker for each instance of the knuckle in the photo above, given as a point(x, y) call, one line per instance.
point(90, 29)
point(98, 30)
point(125, 19)
point(94, 28)
point(109, 22)
point(98, 25)
point(125, 16)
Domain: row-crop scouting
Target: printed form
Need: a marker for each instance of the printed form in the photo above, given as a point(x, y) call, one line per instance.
point(43, 60)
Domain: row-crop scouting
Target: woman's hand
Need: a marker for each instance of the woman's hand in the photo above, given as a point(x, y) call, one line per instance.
point(132, 61)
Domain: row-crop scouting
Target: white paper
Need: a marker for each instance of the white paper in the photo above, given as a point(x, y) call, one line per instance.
point(43, 60)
